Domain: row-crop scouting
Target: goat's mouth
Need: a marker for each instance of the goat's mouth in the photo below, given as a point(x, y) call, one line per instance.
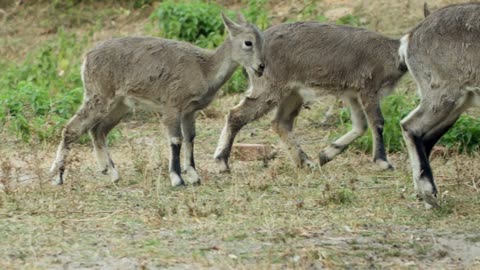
point(258, 72)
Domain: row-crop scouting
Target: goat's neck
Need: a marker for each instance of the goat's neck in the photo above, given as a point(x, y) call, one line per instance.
point(221, 66)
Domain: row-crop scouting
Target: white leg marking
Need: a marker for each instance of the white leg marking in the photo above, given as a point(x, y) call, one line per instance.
point(175, 140)
point(192, 175)
point(59, 159)
point(175, 179)
point(382, 164)
point(222, 142)
point(102, 158)
point(412, 152)
point(331, 152)
point(113, 173)
point(403, 49)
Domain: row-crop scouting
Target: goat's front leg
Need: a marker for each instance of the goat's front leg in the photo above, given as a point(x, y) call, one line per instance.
point(282, 124)
point(359, 126)
point(248, 110)
point(173, 124)
point(188, 130)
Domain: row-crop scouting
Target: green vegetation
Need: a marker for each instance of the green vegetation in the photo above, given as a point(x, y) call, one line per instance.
point(200, 23)
point(464, 135)
point(38, 95)
point(346, 215)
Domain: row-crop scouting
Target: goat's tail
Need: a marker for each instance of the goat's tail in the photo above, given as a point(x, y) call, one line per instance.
point(402, 51)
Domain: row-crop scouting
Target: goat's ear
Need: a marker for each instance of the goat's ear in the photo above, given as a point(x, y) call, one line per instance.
point(232, 27)
point(241, 19)
point(426, 11)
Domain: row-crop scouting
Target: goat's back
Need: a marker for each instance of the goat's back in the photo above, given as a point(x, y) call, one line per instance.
point(330, 56)
point(446, 45)
point(140, 66)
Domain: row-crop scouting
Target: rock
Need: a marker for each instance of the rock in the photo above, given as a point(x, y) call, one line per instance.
point(250, 152)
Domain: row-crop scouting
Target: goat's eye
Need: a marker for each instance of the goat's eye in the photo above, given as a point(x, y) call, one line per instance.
point(248, 43)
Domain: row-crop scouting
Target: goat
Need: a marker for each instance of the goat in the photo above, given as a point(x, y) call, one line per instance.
point(306, 60)
point(173, 78)
point(443, 56)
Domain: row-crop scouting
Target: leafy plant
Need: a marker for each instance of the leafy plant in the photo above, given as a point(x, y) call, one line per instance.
point(464, 135)
point(349, 19)
point(40, 94)
point(196, 22)
point(200, 23)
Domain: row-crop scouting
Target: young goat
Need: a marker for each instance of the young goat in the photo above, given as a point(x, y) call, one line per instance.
point(306, 60)
point(443, 55)
point(173, 78)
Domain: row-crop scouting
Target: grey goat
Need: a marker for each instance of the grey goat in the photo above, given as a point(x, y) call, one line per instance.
point(306, 60)
point(443, 56)
point(173, 78)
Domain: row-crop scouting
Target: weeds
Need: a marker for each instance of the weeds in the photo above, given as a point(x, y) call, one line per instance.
point(200, 23)
point(40, 94)
point(464, 135)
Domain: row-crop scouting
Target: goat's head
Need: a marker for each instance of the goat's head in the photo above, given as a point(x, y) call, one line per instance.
point(247, 44)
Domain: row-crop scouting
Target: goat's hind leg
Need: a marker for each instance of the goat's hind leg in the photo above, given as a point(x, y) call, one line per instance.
point(359, 126)
point(282, 124)
point(84, 119)
point(421, 129)
point(189, 132)
point(99, 135)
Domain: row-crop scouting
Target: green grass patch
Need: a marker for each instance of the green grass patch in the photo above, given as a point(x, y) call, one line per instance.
point(464, 135)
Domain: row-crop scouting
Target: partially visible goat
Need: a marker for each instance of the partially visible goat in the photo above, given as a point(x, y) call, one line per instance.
point(443, 55)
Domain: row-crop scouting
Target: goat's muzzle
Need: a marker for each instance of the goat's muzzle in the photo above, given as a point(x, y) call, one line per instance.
point(259, 70)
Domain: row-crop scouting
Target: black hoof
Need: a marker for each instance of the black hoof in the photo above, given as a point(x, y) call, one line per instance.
point(323, 159)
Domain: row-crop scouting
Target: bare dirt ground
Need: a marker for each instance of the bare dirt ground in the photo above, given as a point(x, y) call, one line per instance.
point(346, 215)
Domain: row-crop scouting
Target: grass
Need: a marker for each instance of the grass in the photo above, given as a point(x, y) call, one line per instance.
point(344, 215)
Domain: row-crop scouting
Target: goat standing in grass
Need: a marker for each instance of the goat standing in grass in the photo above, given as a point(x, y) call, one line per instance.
point(443, 56)
point(306, 60)
point(171, 77)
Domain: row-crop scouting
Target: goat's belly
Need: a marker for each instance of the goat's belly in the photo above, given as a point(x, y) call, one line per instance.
point(143, 104)
point(313, 94)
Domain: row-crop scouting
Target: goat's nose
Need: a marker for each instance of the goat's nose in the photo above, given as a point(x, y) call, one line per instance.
point(261, 67)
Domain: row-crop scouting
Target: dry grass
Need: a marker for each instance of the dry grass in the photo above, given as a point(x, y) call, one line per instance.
point(262, 216)
point(345, 215)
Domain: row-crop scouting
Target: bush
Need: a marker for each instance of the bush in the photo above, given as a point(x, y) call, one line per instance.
point(196, 22)
point(40, 94)
point(200, 23)
point(464, 135)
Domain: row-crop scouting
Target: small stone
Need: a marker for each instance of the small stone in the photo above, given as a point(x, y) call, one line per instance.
point(251, 152)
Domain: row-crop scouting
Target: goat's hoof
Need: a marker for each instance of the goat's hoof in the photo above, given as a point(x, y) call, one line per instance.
point(323, 158)
point(57, 181)
point(309, 164)
point(193, 177)
point(222, 165)
point(384, 165)
point(176, 180)
point(114, 176)
point(430, 200)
